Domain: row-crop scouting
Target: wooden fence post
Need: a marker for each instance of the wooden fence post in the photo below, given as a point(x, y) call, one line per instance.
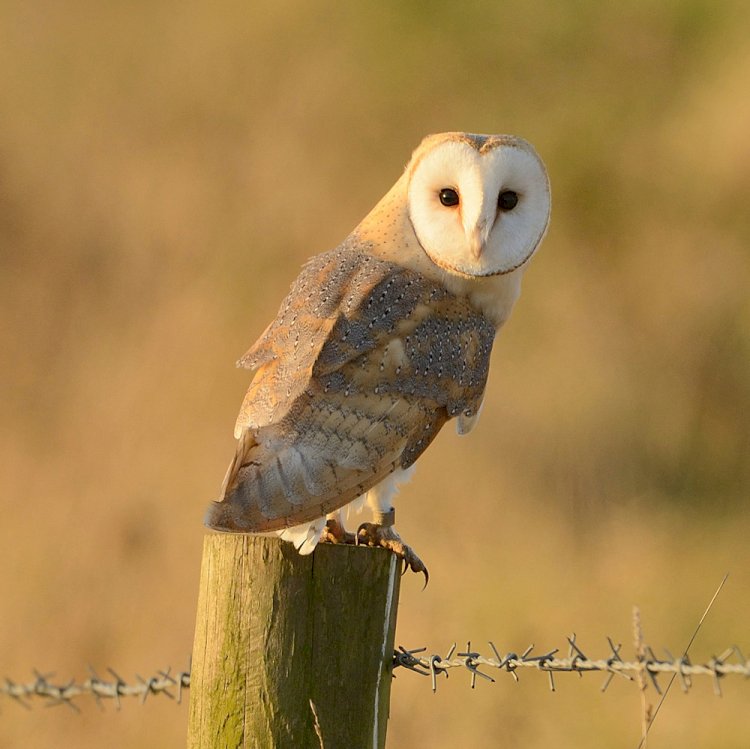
point(292, 651)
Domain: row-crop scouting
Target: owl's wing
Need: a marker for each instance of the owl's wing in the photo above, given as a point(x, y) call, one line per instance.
point(332, 287)
point(363, 365)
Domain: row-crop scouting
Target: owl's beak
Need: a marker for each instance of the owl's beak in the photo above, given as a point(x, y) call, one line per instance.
point(477, 241)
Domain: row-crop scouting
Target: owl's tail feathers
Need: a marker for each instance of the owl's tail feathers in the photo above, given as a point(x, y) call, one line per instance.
point(236, 513)
point(233, 513)
point(268, 486)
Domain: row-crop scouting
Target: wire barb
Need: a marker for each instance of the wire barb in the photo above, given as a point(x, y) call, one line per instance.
point(730, 662)
point(42, 687)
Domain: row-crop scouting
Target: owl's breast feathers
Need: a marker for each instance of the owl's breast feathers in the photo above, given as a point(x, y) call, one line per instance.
point(363, 365)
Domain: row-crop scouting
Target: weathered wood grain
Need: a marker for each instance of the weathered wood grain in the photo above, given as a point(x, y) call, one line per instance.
point(275, 631)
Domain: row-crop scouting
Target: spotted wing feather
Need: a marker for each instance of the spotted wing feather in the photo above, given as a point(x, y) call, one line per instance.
point(362, 367)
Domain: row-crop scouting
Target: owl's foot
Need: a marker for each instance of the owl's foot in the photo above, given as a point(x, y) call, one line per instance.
point(383, 534)
point(335, 533)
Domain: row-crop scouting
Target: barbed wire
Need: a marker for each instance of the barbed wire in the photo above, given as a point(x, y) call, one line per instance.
point(647, 665)
point(730, 662)
point(164, 682)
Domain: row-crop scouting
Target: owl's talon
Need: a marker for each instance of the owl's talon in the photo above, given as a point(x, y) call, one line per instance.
point(373, 534)
point(335, 533)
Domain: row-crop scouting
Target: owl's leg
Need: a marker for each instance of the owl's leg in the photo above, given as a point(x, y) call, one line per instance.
point(335, 532)
point(381, 532)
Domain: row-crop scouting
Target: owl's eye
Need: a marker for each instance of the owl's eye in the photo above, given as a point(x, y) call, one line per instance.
point(448, 197)
point(507, 200)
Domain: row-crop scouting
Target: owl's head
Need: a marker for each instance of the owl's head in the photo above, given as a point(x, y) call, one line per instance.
point(479, 204)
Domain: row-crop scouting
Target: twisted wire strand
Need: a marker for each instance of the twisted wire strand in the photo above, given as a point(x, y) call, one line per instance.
point(163, 682)
point(731, 662)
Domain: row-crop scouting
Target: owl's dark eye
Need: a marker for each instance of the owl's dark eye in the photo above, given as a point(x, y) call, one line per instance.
point(507, 200)
point(448, 197)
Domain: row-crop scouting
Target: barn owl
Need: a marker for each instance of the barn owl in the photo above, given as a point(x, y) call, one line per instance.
point(381, 341)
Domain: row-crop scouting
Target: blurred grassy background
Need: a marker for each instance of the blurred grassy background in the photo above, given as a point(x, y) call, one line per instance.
point(166, 167)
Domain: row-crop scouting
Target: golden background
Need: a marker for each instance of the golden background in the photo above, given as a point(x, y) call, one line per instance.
point(165, 168)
